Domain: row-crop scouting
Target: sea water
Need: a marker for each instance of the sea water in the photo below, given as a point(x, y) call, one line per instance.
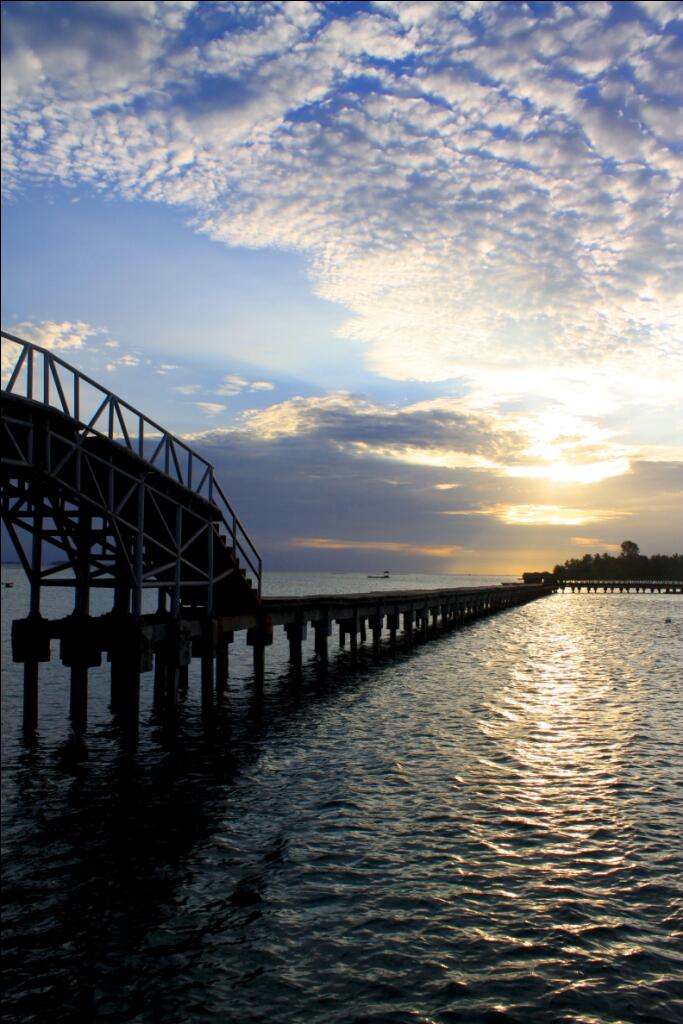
point(484, 828)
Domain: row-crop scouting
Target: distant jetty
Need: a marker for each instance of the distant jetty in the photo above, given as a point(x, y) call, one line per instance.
point(606, 586)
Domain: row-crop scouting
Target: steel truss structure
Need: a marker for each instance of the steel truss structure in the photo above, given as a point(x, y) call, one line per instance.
point(126, 504)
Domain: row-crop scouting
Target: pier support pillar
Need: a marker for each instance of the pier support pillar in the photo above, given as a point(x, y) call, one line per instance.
point(173, 656)
point(30, 721)
point(30, 645)
point(130, 653)
point(376, 626)
point(224, 638)
point(392, 623)
point(79, 650)
point(78, 697)
point(323, 629)
point(30, 642)
point(296, 632)
point(160, 673)
point(353, 644)
point(171, 681)
point(259, 638)
point(259, 650)
point(408, 627)
point(208, 643)
point(349, 627)
point(125, 687)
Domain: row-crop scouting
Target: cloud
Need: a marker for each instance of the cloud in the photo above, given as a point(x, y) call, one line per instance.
point(328, 544)
point(48, 334)
point(484, 187)
point(211, 409)
point(541, 515)
point(450, 433)
point(325, 490)
point(492, 191)
point(235, 385)
point(63, 335)
point(594, 542)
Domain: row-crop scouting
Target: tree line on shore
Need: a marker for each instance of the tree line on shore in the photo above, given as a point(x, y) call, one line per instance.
point(628, 565)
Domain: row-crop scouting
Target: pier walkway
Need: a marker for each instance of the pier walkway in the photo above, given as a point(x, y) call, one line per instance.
point(97, 495)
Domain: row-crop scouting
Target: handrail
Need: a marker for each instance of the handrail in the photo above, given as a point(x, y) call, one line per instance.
point(124, 425)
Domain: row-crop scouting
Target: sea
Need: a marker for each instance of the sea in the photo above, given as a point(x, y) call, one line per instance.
point(483, 829)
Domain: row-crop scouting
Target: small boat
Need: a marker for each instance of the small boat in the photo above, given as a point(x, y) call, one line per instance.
point(386, 575)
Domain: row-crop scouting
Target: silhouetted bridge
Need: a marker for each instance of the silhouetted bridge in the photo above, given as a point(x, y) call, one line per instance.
point(131, 508)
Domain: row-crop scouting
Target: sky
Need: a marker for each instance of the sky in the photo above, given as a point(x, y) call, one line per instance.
point(409, 274)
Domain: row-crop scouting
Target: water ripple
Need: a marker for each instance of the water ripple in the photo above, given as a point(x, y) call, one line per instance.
point(488, 829)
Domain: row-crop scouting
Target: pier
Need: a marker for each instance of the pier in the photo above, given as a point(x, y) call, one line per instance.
point(96, 495)
point(621, 586)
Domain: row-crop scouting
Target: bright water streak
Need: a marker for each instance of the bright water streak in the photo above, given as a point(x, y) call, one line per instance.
point(487, 828)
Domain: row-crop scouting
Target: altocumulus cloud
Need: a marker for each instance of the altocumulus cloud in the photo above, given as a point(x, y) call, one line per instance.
point(491, 189)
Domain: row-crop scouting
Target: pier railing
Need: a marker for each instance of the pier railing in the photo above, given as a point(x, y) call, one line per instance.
point(37, 374)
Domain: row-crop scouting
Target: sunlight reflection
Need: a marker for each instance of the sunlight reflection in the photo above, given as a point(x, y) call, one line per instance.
point(562, 728)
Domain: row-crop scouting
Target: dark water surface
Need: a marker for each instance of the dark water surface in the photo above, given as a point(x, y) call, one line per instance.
point(488, 828)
